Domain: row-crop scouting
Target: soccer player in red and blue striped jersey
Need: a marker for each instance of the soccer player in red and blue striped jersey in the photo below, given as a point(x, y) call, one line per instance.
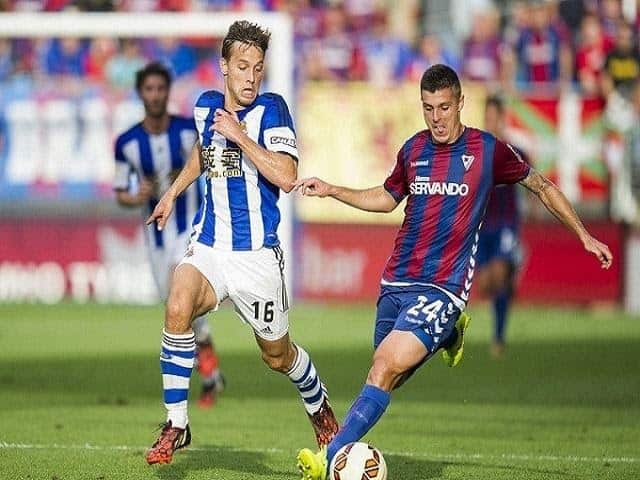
point(446, 173)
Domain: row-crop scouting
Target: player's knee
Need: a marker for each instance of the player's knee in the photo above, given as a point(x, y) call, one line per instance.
point(178, 314)
point(278, 361)
point(383, 372)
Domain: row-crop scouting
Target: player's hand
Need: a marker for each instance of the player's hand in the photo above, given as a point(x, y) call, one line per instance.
point(162, 212)
point(228, 125)
point(600, 250)
point(313, 187)
point(145, 190)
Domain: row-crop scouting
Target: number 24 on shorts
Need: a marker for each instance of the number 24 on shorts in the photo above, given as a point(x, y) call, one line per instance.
point(431, 311)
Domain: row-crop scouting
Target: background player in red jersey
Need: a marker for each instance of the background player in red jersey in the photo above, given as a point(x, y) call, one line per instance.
point(499, 252)
point(447, 173)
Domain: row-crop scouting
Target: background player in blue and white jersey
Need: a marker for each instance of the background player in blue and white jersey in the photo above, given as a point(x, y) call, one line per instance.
point(248, 153)
point(499, 253)
point(446, 173)
point(149, 156)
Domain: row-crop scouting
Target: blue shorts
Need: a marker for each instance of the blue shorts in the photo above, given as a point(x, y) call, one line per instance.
point(426, 311)
point(500, 244)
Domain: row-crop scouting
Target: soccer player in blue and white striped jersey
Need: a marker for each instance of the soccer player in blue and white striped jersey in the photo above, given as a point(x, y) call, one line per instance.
point(154, 152)
point(247, 150)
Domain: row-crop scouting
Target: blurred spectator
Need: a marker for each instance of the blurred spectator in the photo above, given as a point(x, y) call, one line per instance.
point(611, 17)
point(543, 56)
point(6, 59)
point(517, 22)
point(622, 66)
point(174, 5)
point(572, 13)
point(405, 18)
point(386, 57)
point(122, 67)
point(27, 6)
point(482, 58)
point(307, 21)
point(24, 55)
point(55, 5)
point(591, 54)
point(335, 55)
point(240, 5)
point(137, 5)
point(361, 13)
point(65, 56)
point(462, 14)
point(430, 52)
point(558, 23)
point(100, 52)
point(208, 71)
point(177, 56)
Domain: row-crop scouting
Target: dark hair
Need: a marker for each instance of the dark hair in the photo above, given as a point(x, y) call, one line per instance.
point(153, 68)
point(494, 101)
point(243, 31)
point(438, 77)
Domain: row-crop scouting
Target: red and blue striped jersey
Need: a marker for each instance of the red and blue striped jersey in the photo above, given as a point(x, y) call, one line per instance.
point(448, 186)
point(503, 209)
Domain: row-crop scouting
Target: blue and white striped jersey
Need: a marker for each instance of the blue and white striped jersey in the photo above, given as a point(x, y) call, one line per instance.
point(239, 210)
point(159, 157)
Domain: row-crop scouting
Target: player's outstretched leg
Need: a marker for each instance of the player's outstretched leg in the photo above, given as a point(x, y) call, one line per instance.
point(207, 362)
point(452, 353)
point(362, 416)
point(314, 396)
point(176, 362)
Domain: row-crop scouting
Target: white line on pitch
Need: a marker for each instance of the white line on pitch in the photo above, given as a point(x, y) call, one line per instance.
point(434, 456)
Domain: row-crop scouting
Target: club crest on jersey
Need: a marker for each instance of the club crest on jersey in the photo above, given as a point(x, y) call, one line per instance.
point(221, 162)
point(467, 160)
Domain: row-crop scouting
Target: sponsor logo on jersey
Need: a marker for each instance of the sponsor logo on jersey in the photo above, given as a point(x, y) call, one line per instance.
point(467, 160)
point(222, 162)
point(266, 330)
point(420, 163)
point(290, 142)
point(424, 186)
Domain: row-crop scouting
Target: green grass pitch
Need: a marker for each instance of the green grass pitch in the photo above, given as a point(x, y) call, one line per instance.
point(80, 398)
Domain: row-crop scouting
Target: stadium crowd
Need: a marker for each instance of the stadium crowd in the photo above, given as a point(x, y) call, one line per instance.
point(541, 45)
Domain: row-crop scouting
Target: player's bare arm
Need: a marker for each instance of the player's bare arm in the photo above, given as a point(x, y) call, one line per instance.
point(279, 168)
point(188, 175)
point(375, 199)
point(559, 206)
point(128, 199)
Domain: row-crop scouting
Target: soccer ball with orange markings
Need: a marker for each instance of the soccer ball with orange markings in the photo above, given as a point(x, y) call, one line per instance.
point(358, 461)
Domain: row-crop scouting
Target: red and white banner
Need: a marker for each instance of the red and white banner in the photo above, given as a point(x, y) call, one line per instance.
point(344, 263)
point(47, 260)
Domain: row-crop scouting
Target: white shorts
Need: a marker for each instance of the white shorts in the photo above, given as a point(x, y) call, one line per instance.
point(164, 259)
point(253, 280)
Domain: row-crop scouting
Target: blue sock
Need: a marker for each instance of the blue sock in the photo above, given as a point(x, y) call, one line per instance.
point(363, 415)
point(500, 309)
point(176, 362)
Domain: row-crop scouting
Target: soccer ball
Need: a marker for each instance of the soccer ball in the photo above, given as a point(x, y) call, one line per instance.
point(358, 461)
